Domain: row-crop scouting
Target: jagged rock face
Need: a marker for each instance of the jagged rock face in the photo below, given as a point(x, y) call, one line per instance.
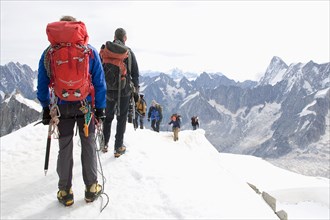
point(208, 81)
point(17, 78)
point(274, 72)
point(15, 115)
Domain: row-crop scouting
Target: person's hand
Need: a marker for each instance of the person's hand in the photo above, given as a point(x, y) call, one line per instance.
point(148, 119)
point(137, 89)
point(100, 114)
point(136, 97)
point(143, 114)
point(46, 116)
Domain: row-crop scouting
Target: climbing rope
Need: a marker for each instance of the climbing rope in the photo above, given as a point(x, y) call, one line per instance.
point(99, 139)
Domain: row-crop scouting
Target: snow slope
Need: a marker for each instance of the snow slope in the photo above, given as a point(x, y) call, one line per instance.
point(156, 179)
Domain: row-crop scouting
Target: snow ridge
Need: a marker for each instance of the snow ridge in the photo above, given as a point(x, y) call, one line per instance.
point(157, 178)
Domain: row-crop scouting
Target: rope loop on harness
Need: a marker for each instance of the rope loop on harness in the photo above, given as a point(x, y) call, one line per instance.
point(55, 114)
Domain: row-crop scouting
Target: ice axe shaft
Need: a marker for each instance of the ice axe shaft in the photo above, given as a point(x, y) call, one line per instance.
point(49, 138)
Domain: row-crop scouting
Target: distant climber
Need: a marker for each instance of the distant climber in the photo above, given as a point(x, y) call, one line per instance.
point(141, 109)
point(155, 114)
point(194, 122)
point(176, 123)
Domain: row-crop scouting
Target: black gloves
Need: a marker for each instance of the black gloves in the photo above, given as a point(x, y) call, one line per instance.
point(137, 89)
point(100, 114)
point(46, 116)
point(136, 97)
point(135, 93)
point(148, 119)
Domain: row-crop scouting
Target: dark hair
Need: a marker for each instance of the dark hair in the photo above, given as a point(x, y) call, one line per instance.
point(120, 33)
point(68, 18)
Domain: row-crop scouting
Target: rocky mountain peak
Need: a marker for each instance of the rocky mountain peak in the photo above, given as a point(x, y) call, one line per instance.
point(274, 72)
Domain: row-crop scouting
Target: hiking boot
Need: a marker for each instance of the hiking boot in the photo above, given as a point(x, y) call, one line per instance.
point(92, 192)
point(65, 197)
point(105, 149)
point(120, 151)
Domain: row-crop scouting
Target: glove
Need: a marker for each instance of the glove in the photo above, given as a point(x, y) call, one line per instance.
point(46, 116)
point(137, 89)
point(148, 119)
point(136, 97)
point(100, 114)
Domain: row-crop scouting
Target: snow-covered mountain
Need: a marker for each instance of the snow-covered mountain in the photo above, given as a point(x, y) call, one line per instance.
point(16, 77)
point(17, 89)
point(284, 116)
point(274, 72)
point(16, 112)
point(157, 178)
point(174, 73)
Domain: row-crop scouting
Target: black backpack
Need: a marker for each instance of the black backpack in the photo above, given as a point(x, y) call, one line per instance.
point(116, 61)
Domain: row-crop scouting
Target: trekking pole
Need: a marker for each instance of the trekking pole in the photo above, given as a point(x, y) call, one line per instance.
point(119, 92)
point(133, 113)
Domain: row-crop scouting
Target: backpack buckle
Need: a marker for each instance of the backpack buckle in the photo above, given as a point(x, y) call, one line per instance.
point(65, 93)
point(77, 93)
point(60, 62)
point(80, 59)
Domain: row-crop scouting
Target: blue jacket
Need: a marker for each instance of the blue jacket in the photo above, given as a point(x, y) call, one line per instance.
point(98, 80)
point(155, 113)
point(176, 124)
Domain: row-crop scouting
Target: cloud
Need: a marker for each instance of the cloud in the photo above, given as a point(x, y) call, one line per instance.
point(238, 38)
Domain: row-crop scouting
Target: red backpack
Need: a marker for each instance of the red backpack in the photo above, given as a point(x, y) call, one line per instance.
point(67, 60)
point(114, 54)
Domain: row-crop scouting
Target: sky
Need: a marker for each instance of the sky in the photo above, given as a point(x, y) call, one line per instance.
point(157, 178)
point(236, 38)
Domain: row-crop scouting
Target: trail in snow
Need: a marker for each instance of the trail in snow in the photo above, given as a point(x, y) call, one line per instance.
point(156, 178)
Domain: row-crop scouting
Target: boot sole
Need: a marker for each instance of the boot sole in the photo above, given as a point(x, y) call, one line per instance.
point(92, 199)
point(119, 154)
point(66, 203)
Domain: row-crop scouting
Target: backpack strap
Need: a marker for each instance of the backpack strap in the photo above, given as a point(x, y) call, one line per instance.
point(47, 61)
point(129, 61)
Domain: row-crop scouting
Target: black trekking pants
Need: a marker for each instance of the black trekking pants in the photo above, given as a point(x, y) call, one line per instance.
point(121, 120)
point(155, 124)
point(70, 116)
